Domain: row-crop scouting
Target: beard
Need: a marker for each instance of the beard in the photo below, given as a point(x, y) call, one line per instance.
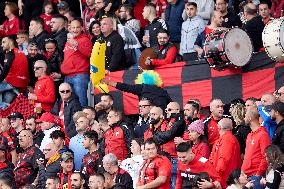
point(154, 121)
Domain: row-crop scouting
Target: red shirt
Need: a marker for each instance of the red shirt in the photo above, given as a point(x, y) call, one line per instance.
point(151, 169)
point(161, 6)
point(254, 160)
point(201, 149)
point(77, 59)
point(47, 19)
point(18, 77)
point(212, 130)
point(226, 155)
point(186, 173)
point(11, 27)
point(170, 57)
point(115, 143)
point(45, 92)
point(87, 15)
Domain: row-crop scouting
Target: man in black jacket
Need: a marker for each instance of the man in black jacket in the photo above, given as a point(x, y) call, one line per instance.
point(121, 178)
point(254, 26)
point(157, 95)
point(37, 134)
point(115, 55)
point(59, 33)
point(277, 114)
point(66, 107)
point(39, 34)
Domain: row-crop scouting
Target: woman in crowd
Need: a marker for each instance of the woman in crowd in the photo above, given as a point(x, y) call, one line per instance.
point(275, 160)
point(240, 130)
point(53, 58)
point(13, 24)
point(132, 165)
point(95, 30)
point(196, 135)
point(238, 180)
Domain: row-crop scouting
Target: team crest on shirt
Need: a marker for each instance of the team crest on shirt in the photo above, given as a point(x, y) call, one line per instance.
point(151, 165)
point(108, 44)
point(252, 142)
point(12, 25)
point(226, 20)
point(164, 51)
point(38, 87)
point(117, 133)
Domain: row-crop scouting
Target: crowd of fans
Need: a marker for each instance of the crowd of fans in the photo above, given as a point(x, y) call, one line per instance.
point(45, 54)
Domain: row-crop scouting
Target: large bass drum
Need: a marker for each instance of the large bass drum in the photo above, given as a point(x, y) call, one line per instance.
point(228, 48)
point(273, 39)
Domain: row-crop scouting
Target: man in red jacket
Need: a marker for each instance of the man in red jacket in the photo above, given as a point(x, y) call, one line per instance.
point(76, 63)
point(12, 78)
point(118, 137)
point(189, 167)
point(211, 123)
point(44, 91)
point(156, 169)
point(255, 164)
point(225, 155)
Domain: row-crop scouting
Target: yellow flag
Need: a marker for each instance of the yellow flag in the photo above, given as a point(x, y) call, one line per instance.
point(97, 66)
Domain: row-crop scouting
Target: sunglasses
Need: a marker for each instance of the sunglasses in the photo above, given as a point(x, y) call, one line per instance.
point(144, 106)
point(65, 91)
point(37, 68)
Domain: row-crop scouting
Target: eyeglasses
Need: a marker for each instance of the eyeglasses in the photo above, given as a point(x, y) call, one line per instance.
point(37, 68)
point(65, 91)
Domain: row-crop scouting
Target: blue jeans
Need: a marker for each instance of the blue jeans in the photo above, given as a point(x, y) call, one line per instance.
point(174, 172)
point(256, 183)
point(8, 94)
point(79, 84)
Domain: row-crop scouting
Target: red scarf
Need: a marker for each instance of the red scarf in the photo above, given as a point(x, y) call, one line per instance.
point(3, 165)
point(62, 175)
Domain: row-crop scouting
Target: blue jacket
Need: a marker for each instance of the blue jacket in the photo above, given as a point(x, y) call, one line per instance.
point(268, 123)
point(174, 20)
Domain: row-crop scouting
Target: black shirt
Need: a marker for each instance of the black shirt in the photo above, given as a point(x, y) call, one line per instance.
point(254, 28)
point(231, 20)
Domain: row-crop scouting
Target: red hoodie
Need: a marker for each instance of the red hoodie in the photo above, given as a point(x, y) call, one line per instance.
point(45, 92)
point(226, 155)
point(18, 77)
point(77, 59)
point(254, 160)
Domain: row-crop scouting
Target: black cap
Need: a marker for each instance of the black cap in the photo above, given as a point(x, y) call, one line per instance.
point(16, 115)
point(277, 106)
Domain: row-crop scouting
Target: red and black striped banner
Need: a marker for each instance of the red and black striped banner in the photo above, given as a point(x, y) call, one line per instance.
point(185, 80)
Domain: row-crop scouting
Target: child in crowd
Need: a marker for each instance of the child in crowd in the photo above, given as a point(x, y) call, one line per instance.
point(47, 15)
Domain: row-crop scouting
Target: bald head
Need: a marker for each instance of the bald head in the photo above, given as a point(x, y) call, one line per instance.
point(157, 110)
point(251, 116)
point(40, 68)
point(217, 108)
point(267, 99)
point(172, 108)
point(225, 124)
point(65, 86)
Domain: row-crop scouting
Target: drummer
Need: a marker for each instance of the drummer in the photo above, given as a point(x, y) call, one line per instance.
point(216, 24)
point(166, 51)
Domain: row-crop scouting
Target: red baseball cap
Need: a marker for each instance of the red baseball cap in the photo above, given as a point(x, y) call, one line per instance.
point(47, 117)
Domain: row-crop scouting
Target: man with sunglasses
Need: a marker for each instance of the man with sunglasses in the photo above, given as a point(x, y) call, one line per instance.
point(65, 107)
point(43, 95)
point(145, 106)
point(280, 94)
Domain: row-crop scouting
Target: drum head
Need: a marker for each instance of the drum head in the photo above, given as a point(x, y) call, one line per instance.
point(238, 47)
point(148, 52)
